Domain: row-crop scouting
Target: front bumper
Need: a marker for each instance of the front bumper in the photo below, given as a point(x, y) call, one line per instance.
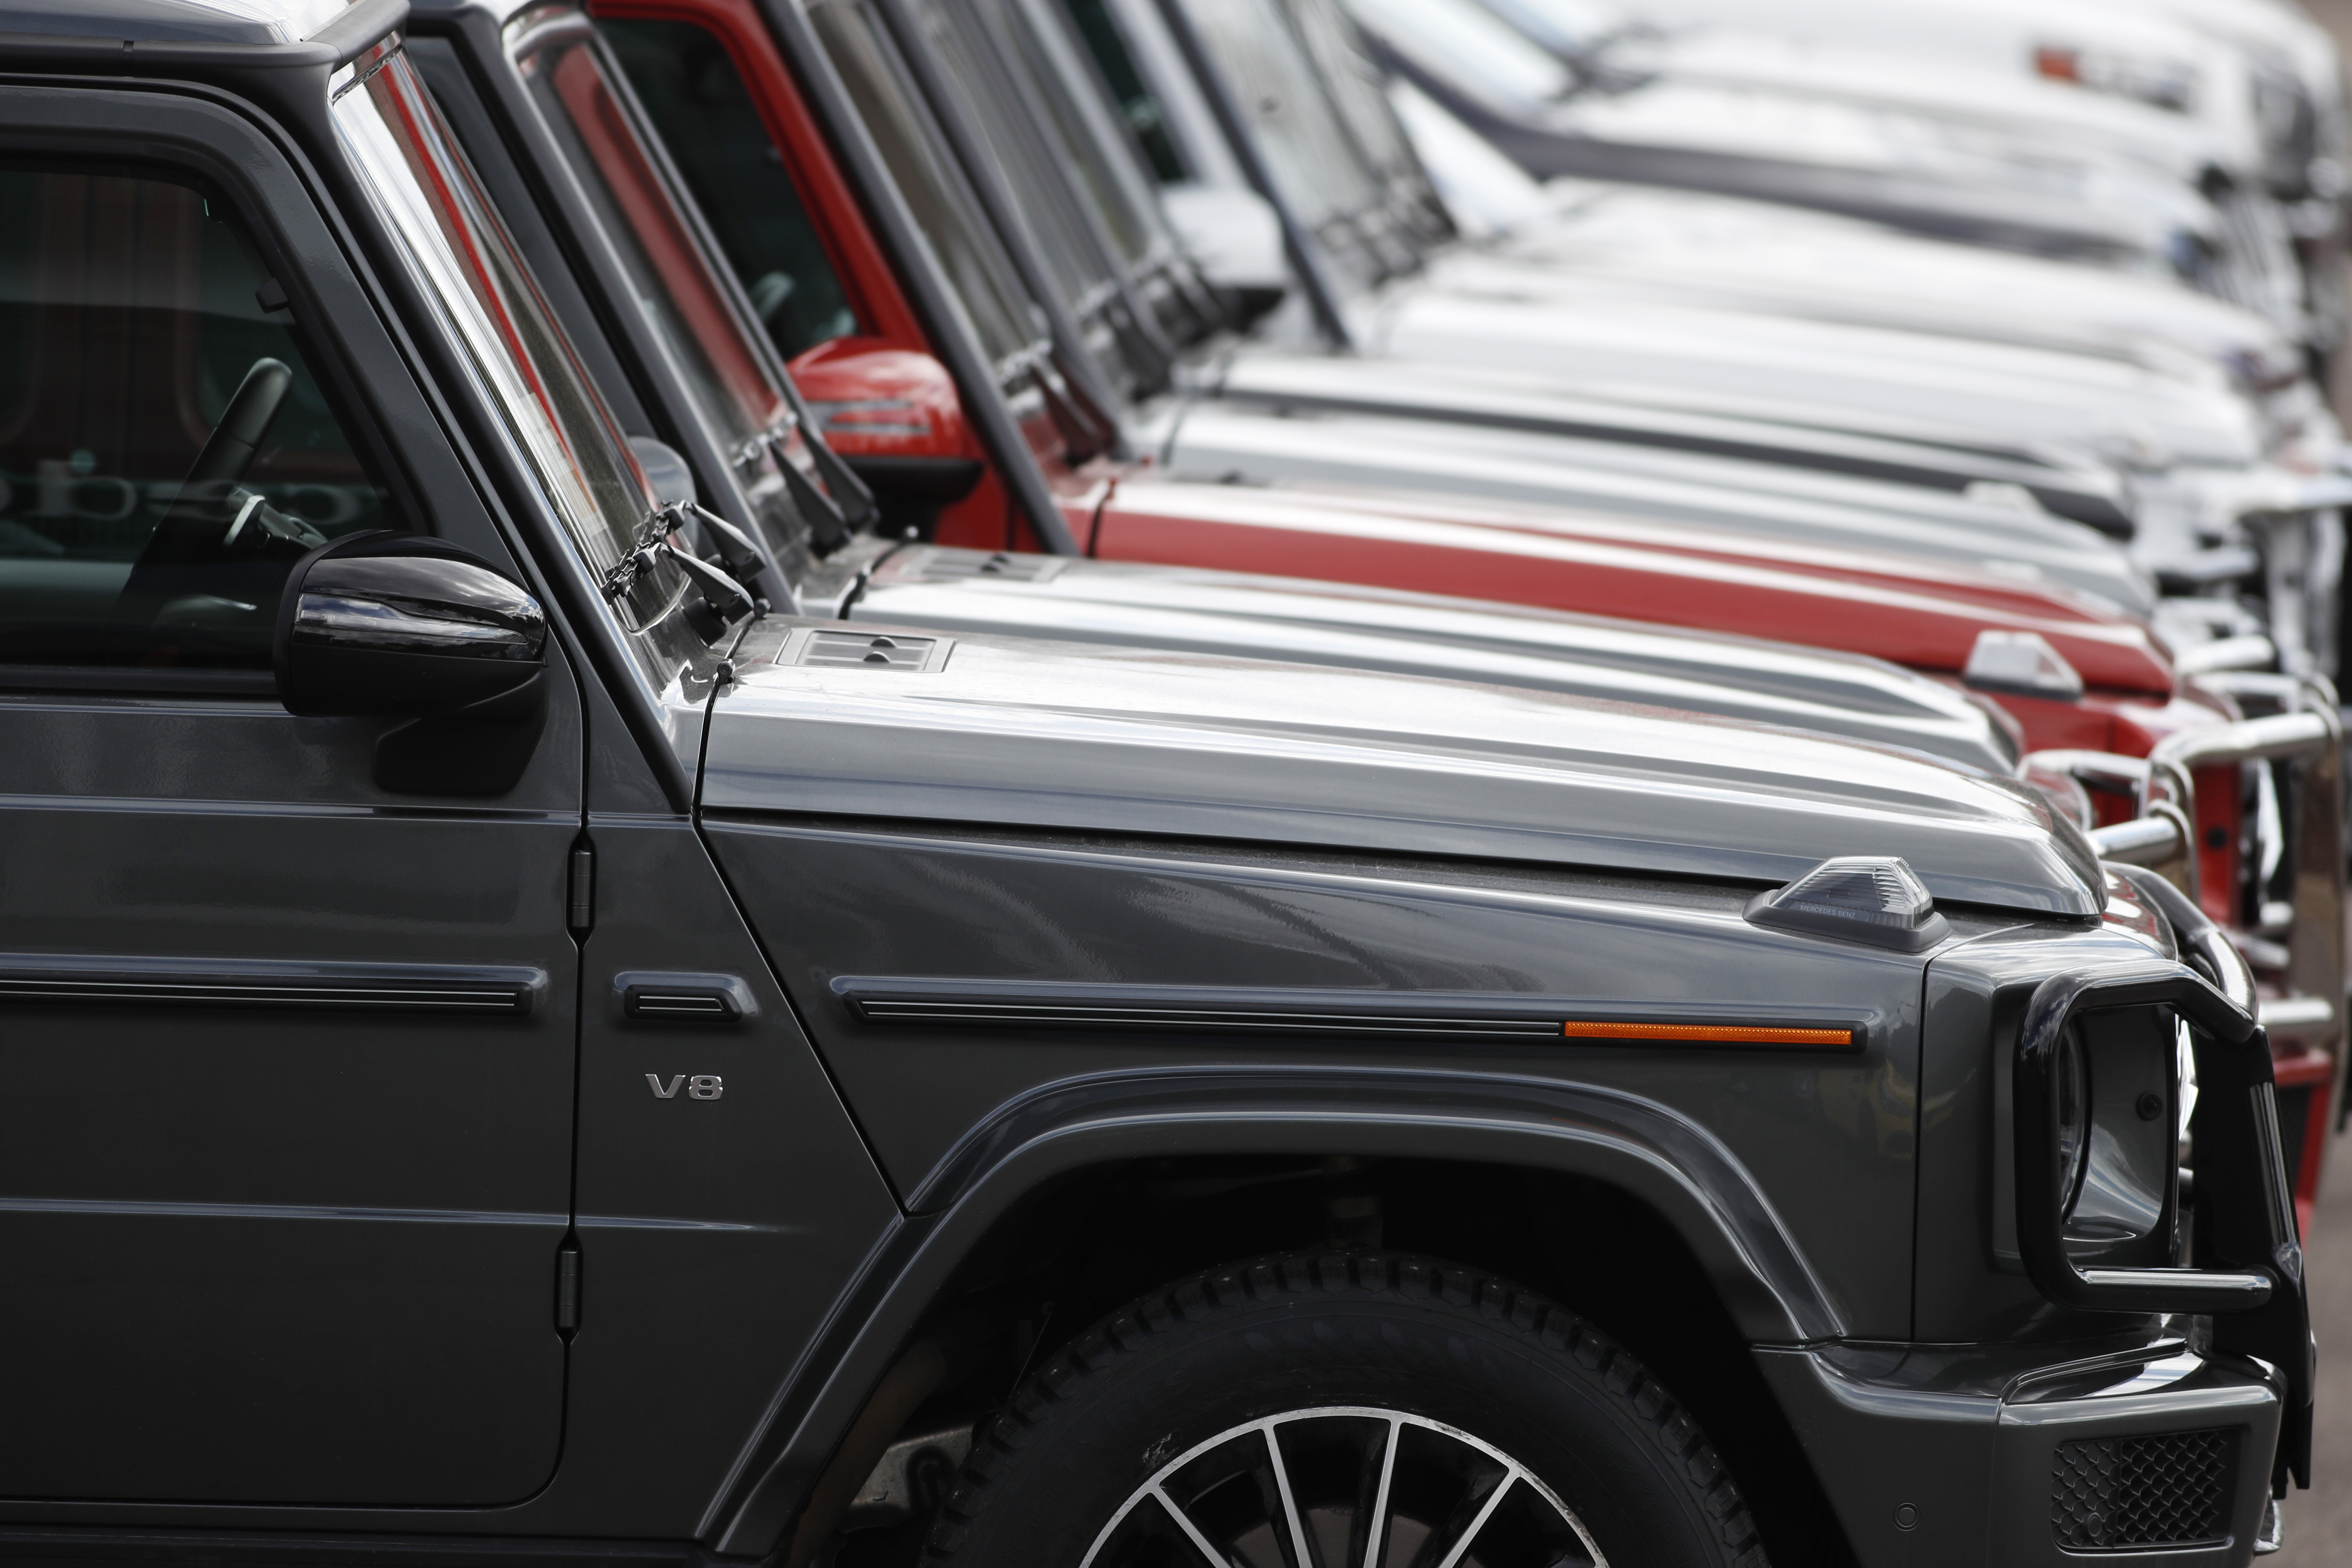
point(2013, 1456)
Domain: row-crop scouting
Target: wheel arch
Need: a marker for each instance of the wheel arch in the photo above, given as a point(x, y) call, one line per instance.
point(1060, 1132)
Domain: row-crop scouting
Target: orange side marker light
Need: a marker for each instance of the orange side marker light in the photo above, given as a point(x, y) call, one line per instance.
point(1710, 1034)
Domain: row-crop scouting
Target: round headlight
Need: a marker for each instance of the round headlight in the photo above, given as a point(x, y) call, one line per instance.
point(2070, 1087)
point(2184, 1078)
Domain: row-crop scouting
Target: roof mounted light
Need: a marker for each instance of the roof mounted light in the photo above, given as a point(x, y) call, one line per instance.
point(1873, 899)
point(2020, 664)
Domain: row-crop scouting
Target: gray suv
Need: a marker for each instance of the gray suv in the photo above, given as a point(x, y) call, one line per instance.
point(518, 1054)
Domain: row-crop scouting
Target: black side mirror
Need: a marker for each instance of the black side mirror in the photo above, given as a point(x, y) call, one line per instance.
point(395, 624)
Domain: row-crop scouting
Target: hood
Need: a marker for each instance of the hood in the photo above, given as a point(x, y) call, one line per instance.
point(1602, 242)
point(1935, 174)
point(2158, 48)
point(1641, 495)
point(1302, 622)
point(2087, 402)
point(1755, 439)
point(1599, 241)
point(2012, 104)
point(1906, 611)
point(1046, 736)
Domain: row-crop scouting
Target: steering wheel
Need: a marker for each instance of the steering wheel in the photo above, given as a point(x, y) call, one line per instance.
point(230, 450)
point(191, 535)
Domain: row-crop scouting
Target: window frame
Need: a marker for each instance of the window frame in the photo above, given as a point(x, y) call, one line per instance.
point(188, 137)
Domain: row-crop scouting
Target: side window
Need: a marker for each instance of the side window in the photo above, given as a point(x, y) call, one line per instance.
point(165, 452)
point(705, 116)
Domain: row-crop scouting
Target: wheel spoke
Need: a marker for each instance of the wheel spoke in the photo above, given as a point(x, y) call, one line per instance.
point(1289, 1504)
point(1375, 1536)
point(1428, 1472)
point(1479, 1523)
point(1215, 1559)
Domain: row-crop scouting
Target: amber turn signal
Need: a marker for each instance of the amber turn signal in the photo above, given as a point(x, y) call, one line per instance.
point(1712, 1034)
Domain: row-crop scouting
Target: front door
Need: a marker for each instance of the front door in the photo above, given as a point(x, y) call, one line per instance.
point(286, 1136)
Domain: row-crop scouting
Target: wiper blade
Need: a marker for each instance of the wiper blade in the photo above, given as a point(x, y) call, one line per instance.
point(846, 499)
point(724, 600)
point(829, 522)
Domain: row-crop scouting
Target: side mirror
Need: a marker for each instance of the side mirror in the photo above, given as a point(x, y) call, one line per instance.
point(1235, 237)
point(393, 624)
point(895, 417)
point(666, 470)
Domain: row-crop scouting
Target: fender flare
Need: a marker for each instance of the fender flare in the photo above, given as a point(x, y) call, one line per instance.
point(1655, 1154)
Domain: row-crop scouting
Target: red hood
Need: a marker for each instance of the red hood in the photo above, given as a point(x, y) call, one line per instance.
point(1921, 614)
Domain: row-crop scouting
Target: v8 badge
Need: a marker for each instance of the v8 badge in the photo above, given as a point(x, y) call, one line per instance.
point(701, 1085)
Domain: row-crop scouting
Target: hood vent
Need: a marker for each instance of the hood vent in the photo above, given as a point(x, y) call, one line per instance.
point(974, 565)
point(811, 648)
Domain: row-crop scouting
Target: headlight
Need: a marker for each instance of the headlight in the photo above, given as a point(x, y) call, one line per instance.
point(2184, 1078)
point(2115, 1088)
point(2072, 1073)
point(2164, 84)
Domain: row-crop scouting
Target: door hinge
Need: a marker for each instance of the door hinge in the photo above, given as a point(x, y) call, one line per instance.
point(581, 903)
point(567, 1286)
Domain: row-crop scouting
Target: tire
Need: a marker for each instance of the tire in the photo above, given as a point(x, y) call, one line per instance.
point(1346, 1365)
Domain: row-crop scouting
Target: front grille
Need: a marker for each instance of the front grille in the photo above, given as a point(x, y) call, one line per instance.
point(2116, 1493)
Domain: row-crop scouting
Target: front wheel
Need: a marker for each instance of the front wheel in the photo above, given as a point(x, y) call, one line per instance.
point(1356, 1411)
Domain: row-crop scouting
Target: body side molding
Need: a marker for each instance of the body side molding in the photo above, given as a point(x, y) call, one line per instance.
point(1356, 1014)
point(51, 979)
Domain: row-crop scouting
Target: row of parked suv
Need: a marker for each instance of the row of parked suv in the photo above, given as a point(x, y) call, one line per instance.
point(1102, 784)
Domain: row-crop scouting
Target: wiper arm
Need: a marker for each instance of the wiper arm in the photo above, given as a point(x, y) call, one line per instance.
point(850, 500)
point(829, 520)
point(723, 599)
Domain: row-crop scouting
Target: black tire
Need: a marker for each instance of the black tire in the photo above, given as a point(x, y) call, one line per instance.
point(1194, 1360)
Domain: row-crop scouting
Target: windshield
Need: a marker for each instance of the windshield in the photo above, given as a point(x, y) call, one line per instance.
point(1137, 103)
point(468, 267)
point(1113, 176)
point(1049, 167)
point(1570, 28)
point(673, 280)
point(1077, 258)
point(1317, 168)
point(720, 145)
point(981, 276)
point(1462, 45)
point(1360, 87)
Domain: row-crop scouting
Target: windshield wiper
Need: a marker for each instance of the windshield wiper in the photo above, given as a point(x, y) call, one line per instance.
point(723, 599)
point(844, 504)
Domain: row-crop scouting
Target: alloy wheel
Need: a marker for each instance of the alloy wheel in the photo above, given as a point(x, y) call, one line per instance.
point(1344, 1486)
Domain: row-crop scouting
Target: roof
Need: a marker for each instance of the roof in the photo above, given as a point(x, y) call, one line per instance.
point(248, 22)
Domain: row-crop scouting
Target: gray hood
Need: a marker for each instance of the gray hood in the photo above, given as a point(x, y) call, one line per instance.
point(1207, 612)
point(1602, 243)
point(2090, 402)
point(1063, 738)
point(1743, 443)
point(1221, 440)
